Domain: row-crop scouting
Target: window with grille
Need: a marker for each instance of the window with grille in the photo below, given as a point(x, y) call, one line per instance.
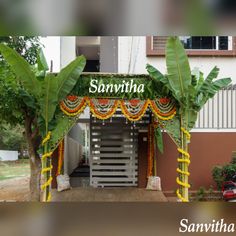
point(195, 45)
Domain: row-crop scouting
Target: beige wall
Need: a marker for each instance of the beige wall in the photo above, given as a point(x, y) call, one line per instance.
point(132, 59)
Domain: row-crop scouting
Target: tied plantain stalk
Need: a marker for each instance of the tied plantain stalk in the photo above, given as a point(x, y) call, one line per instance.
point(47, 91)
point(190, 91)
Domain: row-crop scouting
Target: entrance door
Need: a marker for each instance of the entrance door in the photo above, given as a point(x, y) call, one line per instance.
point(142, 159)
point(113, 160)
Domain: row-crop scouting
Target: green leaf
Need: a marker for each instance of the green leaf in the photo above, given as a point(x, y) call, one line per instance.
point(64, 124)
point(157, 75)
point(212, 88)
point(200, 81)
point(208, 81)
point(68, 76)
point(219, 84)
point(28, 100)
point(21, 68)
point(48, 100)
point(192, 117)
point(179, 73)
point(172, 128)
point(41, 61)
point(159, 139)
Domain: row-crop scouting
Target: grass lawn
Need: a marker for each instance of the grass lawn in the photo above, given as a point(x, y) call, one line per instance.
point(14, 169)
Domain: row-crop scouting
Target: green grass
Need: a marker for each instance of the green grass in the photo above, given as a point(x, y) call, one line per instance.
point(14, 169)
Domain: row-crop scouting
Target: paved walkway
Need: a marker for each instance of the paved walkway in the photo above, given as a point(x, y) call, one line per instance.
point(90, 194)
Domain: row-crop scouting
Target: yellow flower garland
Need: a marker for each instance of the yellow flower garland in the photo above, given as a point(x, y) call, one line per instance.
point(60, 156)
point(47, 169)
point(183, 160)
point(118, 103)
point(170, 115)
point(48, 136)
point(131, 117)
point(150, 150)
point(101, 116)
point(70, 113)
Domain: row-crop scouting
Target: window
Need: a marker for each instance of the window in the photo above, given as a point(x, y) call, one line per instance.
point(195, 46)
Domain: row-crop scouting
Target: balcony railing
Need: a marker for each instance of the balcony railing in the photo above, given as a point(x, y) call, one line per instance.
point(219, 112)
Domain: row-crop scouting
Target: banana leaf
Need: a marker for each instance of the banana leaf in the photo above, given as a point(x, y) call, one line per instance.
point(172, 128)
point(159, 139)
point(22, 70)
point(208, 81)
point(209, 91)
point(157, 75)
point(48, 99)
point(68, 76)
point(64, 124)
point(41, 61)
point(179, 73)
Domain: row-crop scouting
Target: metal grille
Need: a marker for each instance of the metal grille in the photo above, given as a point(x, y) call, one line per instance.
point(159, 42)
point(219, 112)
point(113, 156)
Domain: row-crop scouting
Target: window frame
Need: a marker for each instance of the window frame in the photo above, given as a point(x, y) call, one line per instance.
point(192, 52)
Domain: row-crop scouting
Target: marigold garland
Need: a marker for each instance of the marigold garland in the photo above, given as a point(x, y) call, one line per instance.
point(73, 106)
point(60, 157)
point(137, 113)
point(48, 136)
point(102, 113)
point(133, 110)
point(163, 110)
point(47, 169)
point(186, 160)
point(150, 150)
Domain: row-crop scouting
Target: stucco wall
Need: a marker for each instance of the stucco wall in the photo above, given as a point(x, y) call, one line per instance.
point(132, 59)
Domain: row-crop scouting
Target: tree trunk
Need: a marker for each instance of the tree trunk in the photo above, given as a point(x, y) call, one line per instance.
point(35, 161)
point(35, 175)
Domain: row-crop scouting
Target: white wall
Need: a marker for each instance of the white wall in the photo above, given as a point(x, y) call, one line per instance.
point(68, 50)
point(60, 50)
point(73, 155)
point(8, 155)
point(51, 51)
point(132, 59)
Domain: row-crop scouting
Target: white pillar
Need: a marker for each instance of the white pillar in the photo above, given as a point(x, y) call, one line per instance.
point(68, 50)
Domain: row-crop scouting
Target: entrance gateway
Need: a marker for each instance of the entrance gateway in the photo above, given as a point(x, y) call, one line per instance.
point(175, 99)
point(115, 127)
point(114, 151)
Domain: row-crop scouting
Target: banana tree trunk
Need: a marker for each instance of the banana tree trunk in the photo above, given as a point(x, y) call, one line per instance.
point(35, 162)
point(46, 170)
point(185, 168)
point(184, 162)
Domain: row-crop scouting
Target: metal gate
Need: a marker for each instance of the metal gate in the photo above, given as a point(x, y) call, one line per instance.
point(113, 152)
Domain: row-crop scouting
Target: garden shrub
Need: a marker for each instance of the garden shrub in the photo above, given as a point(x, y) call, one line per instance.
point(201, 194)
point(224, 173)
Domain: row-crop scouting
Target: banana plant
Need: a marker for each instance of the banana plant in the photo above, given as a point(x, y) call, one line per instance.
point(47, 90)
point(191, 91)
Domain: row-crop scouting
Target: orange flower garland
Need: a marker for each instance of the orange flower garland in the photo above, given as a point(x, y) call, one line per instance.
point(137, 113)
point(103, 103)
point(167, 105)
point(60, 157)
point(133, 110)
point(73, 105)
point(150, 150)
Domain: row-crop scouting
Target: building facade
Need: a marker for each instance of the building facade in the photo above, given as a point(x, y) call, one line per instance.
point(214, 136)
